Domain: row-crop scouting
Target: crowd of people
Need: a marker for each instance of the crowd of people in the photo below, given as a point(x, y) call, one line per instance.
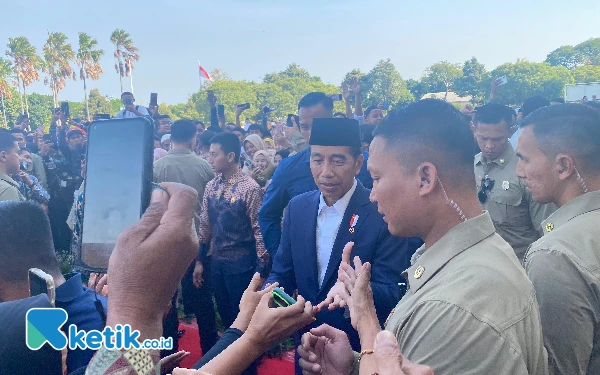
point(418, 240)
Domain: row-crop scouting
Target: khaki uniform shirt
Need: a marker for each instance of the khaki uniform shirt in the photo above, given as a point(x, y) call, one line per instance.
point(9, 189)
point(564, 267)
point(38, 170)
point(516, 217)
point(470, 308)
point(183, 166)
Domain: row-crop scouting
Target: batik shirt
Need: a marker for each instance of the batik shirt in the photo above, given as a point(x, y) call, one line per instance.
point(229, 224)
point(35, 193)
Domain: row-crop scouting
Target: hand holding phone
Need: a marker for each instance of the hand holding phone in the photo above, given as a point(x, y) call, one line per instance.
point(281, 298)
point(154, 99)
point(292, 121)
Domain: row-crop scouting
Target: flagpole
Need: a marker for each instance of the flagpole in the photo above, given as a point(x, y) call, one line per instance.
point(199, 75)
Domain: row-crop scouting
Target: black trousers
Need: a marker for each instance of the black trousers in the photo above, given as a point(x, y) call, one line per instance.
point(228, 292)
point(197, 301)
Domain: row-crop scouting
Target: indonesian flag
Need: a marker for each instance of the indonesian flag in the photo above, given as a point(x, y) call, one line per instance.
point(203, 72)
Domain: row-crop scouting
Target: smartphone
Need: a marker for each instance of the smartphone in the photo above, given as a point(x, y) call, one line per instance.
point(289, 122)
point(154, 99)
point(282, 299)
point(243, 106)
point(64, 108)
point(210, 93)
point(385, 105)
point(128, 102)
point(503, 80)
point(336, 97)
point(221, 110)
point(117, 185)
point(41, 283)
point(101, 116)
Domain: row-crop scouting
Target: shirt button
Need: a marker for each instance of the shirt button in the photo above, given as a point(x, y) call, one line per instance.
point(419, 272)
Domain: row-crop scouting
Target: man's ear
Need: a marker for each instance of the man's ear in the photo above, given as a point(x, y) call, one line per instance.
point(565, 166)
point(2, 156)
point(428, 178)
point(231, 157)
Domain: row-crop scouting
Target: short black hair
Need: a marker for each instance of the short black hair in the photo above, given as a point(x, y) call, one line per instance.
point(533, 103)
point(283, 153)
point(340, 114)
point(22, 150)
point(7, 141)
point(256, 127)
point(15, 131)
point(22, 118)
point(162, 117)
point(157, 138)
point(493, 113)
point(558, 100)
point(238, 129)
point(182, 131)
point(198, 122)
point(366, 132)
point(572, 129)
point(315, 98)
point(206, 136)
point(126, 93)
point(369, 109)
point(26, 241)
point(229, 142)
point(431, 130)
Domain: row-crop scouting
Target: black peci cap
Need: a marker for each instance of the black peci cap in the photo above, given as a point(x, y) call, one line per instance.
point(335, 132)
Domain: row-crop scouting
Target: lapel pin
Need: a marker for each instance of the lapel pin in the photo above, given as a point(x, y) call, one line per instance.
point(505, 185)
point(232, 199)
point(353, 222)
point(549, 227)
point(419, 272)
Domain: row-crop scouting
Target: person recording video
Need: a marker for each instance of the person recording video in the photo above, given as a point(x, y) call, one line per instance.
point(130, 109)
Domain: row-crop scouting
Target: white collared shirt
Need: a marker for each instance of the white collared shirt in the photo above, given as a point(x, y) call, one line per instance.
point(329, 219)
point(126, 114)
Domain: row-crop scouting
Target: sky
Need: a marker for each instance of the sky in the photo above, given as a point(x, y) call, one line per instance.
point(250, 38)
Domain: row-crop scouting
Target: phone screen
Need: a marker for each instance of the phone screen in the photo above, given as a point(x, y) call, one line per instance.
point(64, 108)
point(117, 185)
point(221, 110)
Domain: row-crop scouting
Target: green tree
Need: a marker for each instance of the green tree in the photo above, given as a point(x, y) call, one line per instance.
point(417, 88)
point(442, 75)
point(98, 103)
point(58, 55)
point(384, 83)
point(586, 73)
point(591, 50)
point(26, 64)
point(88, 59)
point(125, 54)
point(526, 79)
point(567, 56)
point(5, 89)
point(474, 82)
point(292, 71)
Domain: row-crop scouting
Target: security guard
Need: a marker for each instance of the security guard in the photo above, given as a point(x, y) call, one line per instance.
point(559, 152)
point(516, 217)
point(9, 165)
point(470, 308)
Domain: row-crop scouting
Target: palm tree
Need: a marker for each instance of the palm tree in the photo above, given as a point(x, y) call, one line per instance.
point(26, 65)
point(5, 91)
point(125, 54)
point(88, 59)
point(58, 55)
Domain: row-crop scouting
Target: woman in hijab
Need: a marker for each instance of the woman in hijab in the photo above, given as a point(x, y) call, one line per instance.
point(263, 168)
point(252, 144)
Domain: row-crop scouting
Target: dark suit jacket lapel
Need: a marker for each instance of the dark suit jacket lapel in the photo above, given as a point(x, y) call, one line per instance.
point(356, 206)
point(307, 226)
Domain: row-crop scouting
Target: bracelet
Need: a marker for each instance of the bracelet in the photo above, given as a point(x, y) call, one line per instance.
point(366, 351)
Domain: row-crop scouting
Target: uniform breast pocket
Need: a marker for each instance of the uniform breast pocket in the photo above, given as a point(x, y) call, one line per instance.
point(506, 207)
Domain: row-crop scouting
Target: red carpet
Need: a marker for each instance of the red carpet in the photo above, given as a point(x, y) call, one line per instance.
point(191, 342)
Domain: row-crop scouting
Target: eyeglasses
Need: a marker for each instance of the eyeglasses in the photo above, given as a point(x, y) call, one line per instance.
point(486, 186)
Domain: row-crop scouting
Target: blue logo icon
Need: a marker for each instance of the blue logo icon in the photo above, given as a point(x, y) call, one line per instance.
point(43, 326)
